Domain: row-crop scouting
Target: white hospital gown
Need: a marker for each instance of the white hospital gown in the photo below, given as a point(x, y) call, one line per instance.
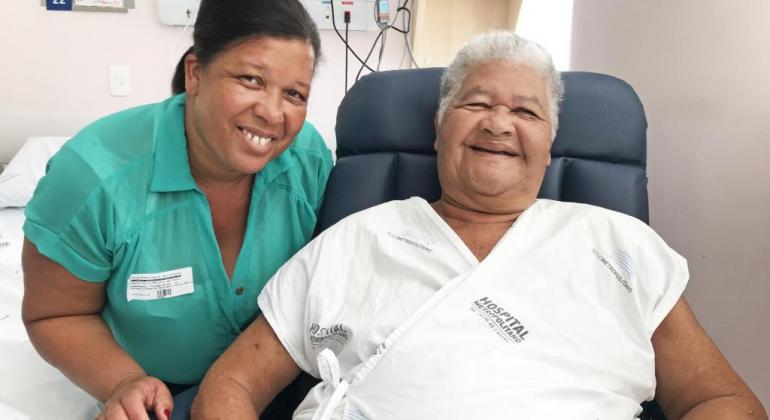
point(554, 323)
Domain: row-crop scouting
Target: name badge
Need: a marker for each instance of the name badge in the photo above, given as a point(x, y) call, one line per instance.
point(153, 286)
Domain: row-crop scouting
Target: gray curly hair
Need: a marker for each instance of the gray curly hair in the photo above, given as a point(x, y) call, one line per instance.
point(502, 45)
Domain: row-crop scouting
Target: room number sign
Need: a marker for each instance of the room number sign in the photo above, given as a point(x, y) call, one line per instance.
point(58, 4)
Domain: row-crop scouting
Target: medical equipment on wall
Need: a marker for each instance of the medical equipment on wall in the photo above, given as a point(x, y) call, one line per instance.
point(382, 13)
point(178, 12)
point(363, 15)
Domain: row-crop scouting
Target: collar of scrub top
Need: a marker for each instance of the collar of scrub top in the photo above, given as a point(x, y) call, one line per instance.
point(171, 167)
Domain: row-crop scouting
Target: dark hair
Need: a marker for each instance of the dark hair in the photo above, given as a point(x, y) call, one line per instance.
point(223, 23)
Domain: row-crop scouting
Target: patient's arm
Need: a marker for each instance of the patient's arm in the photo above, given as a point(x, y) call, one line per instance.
point(695, 381)
point(244, 380)
point(63, 318)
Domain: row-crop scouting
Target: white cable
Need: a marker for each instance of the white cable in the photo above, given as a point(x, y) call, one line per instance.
point(403, 55)
point(382, 47)
point(175, 52)
point(403, 25)
point(384, 29)
point(407, 45)
point(409, 49)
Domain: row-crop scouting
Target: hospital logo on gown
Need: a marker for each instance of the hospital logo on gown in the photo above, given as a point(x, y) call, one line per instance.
point(334, 336)
point(501, 321)
point(621, 265)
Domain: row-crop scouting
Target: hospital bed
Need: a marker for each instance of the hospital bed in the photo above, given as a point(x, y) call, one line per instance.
point(385, 137)
point(29, 387)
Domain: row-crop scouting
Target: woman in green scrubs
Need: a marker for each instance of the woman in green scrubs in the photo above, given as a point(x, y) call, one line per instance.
point(155, 228)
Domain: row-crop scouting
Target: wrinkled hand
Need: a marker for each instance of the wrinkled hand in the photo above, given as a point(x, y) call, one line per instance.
point(135, 396)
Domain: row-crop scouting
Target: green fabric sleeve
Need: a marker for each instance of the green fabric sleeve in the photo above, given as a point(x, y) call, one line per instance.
point(69, 218)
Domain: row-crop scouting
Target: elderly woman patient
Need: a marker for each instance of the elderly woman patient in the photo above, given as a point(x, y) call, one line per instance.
point(489, 303)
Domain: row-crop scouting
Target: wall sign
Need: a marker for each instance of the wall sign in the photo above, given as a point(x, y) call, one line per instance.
point(121, 6)
point(58, 4)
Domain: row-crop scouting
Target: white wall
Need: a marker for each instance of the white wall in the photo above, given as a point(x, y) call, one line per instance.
point(55, 66)
point(701, 69)
point(549, 23)
point(58, 61)
point(54, 75)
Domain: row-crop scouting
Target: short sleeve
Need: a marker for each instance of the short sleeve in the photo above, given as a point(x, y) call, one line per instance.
point(315, 160)
point(663, 276)
point(324, 169)
point(323, 177)
point(69, 218)
point(284, 301)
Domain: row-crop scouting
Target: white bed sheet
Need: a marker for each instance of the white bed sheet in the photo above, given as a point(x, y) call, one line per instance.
point(29, 387)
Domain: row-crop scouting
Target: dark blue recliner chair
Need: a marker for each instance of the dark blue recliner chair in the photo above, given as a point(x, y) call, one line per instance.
point(385, 140)
point(385, 137)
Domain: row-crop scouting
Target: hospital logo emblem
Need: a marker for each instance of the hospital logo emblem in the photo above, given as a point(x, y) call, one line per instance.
point(332, 336)
point(502, 322)
point(621, 265)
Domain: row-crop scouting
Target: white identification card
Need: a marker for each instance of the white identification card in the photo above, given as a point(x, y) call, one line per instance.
point(152, 286)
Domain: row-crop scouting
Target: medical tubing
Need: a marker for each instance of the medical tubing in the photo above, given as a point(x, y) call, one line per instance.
point(409, 49)
point(382, 49)
point(187, 25)
point(405, 19)
point(407, 45)
point(406, 22)
point(358, 75)
point(401, 61)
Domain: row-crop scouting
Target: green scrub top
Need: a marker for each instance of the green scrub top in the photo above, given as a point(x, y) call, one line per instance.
point(119, 205)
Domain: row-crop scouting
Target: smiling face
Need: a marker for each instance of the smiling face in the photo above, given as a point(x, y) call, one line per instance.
point(494, 142)
point(246, 106)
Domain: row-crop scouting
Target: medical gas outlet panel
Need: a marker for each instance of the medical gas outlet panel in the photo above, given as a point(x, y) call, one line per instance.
point(363, 13)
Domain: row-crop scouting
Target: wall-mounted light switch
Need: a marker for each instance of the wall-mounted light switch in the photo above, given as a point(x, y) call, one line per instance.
point(120, 81)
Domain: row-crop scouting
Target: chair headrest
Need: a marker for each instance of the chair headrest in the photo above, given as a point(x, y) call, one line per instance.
point(389, 110)
point(601, 117)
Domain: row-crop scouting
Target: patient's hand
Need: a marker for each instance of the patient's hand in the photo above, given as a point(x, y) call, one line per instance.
point(137, 395)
